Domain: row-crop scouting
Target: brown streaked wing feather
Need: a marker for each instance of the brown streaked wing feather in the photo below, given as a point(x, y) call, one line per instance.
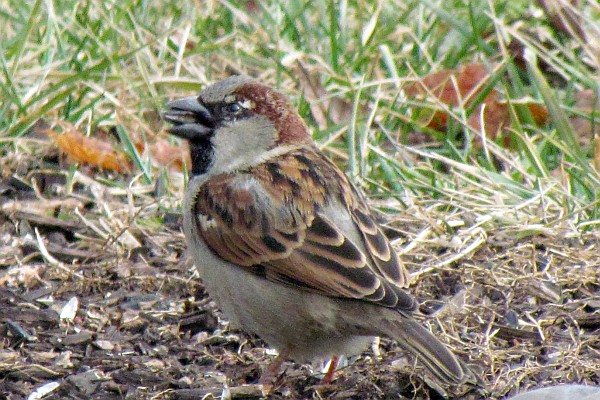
point(270, 218)
point(240, 231)
point(344, 267)
point(325, 240)
point(384, 257)
point(326, 277)
point(234, 248)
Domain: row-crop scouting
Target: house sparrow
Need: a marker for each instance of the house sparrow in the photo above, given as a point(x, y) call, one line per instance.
point(284, 243)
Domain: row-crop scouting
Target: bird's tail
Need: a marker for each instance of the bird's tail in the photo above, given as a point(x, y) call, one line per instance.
point(413, 337)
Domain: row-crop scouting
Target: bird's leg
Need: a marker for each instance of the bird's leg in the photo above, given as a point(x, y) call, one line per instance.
point(330, 371)
point(273, 368)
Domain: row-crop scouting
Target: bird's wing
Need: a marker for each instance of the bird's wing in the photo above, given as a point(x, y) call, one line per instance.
point(275, 222)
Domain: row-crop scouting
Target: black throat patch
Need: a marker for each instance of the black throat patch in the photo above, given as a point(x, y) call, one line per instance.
point(201, 151)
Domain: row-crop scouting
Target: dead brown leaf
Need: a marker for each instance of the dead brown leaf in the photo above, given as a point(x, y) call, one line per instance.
point(461, 86)
point(88, 150)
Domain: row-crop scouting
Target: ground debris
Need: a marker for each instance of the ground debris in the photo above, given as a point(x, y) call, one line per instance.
point(521, 313)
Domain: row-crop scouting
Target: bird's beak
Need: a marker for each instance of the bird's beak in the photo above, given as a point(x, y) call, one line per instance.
point(190, 118)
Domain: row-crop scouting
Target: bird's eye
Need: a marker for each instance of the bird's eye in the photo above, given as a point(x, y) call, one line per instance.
point(234, 107)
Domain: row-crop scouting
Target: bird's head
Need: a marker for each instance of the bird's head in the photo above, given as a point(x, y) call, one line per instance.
point(234, 124)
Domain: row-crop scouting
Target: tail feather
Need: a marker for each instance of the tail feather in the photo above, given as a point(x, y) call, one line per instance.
point(427, 348)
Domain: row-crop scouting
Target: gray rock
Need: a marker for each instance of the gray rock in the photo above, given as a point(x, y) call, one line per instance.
point(561, 392)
